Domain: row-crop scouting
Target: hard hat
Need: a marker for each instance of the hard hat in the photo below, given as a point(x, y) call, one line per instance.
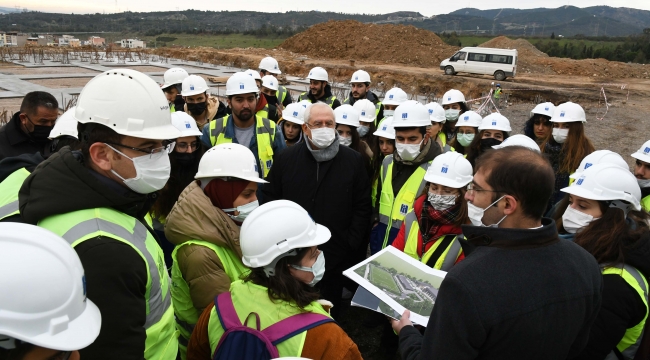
point(450, 169)
point(274, 229)
point(66, 125)
point(545, 109)
point(599, 157)
point(643, 153)
point(346, 114)
point(395, 96)
point(318, 74)
point(271, 65)
point(453, 96)
point(569, 112)
point(229, 160)
point(469, 118)
point(436, 112)
point(605, 182)
point(194, 85)
point(185, 124)
point(128, 102)
point(254, 74)
point(174, 76)
point(366, 109)
point(386, 129)
point(360, 76)
point(43, 297)
point(518, 140)
point(498, 85)
point(411, 114)
point(270, 82)
point(305, 103)
point(495, 121)
point(240, 83)
point(294, 113)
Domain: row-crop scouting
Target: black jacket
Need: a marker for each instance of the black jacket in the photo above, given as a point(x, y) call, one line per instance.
point(116, 275)
point(519, 294)
point(9, 165)
point(14, 141)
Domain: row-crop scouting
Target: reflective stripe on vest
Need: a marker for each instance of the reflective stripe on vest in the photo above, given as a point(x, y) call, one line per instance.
point(282, 93)
point(264, 113)
point(328, 100)
point(9, 192)
point(393, 209)
point(631, 341)
point(79, 226)
point(645, 203)
point(265, 135)
point(412, 238)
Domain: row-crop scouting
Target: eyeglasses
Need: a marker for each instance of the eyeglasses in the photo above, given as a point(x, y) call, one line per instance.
point(168, 147)
point(319, 125)
point(471, 188)
point(182, 147)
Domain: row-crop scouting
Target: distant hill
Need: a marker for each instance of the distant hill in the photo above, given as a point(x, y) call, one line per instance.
point(6, 10)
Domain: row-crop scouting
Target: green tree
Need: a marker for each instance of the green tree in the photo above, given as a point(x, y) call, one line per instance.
point(553, 35)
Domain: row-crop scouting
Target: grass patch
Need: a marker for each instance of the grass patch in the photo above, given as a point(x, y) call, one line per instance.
point(384, 279)
point(215, 41)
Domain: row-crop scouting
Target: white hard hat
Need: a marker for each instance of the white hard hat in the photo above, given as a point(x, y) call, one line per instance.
point(305, 103)
point(495, 121)
point(436, 112)
point(569, 112)
point(453, 96)
point(274, 229)
point(271, 65)
point(605, 182)
point(229, 160)
point(346, 114)
point(411, 114)
point(270, 82)
point(545, 109)
point(469, 118)
point(395, 96)
point(386, 129)
point(367, 110)
point(185, 124)
point(254, 74)
point(518, 140)
point(318, 74)
point(174, 76)
point(128, 102)
point(240, 83)
point(643, 153)
point(450, 169)
point(43, 298)
point(294, 113)
point(66, 125)
point(599, 157)
point(194, 85)
point(360, 76)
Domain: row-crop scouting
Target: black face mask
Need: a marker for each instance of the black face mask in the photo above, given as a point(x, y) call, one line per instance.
point(271, 99)
point(486, 144)
point(197, 108)
point(184, 159)
point(41, 133)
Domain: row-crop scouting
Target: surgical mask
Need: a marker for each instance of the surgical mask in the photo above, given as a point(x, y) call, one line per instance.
point(452, 114)
point(151, 172)
point(318, 269)
point(323, 137)
point(643, 183)
point(487, 143)
point(197, 109)
point(244, 210)
point(475, 214)
point(41, 133)
point(465, 139)
point(560, 135)
point(363, 130)
point(574, 220)
point(441, 202)
point(388, 113)
point(345, 141)
point(408, 152)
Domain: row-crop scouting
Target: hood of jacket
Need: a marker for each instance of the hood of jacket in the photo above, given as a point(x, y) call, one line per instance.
point(193, 217)
point(28, 161)
point(638, 255)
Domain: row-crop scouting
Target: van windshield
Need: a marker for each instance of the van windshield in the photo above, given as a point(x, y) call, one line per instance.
point(459, 56)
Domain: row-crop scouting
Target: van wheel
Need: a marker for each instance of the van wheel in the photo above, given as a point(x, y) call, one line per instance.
point(500, 75)
point(449, 70)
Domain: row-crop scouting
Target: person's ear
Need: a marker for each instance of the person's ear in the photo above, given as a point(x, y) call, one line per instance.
point(510, 205)
point(426, 138)
point(101, 155)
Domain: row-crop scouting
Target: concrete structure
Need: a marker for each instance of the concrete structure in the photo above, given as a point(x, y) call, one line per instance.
point(96, 41)
point(15, 39)
point(69, 40)
point(37, 41)
point(3, 39)
point(132, 43)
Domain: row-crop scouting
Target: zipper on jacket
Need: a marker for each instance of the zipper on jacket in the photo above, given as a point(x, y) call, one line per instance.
point(317, 169)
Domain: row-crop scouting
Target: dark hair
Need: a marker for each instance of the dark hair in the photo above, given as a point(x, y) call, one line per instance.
point(522, 173)
point(360, 147)
point(18, 353)
point(65, 140)
point(93, 133)
point(377, 160)
point(422, 129)
point(178, 88)
point(447, 126)
point(370, 139)
point(474, 148)
point(574, 149)
point(529, 126)
point(283, 286)
point(35, 99)
point(458, 147)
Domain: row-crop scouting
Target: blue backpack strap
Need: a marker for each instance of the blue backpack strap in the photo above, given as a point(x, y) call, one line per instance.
point(294, 325)
point(226, 311)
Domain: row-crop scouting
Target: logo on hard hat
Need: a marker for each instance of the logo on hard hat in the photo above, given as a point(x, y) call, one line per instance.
point(295, 113)
point(191, 87)
point(271, 83)
point(430, 111)
point(579, 182)
point(187, 125)
point(345, 116)
point(646, 150)
point(588, 165)
point(356, 78)
point(363, 113)
point(254, 165)
point(562, 114)
point(546, 108)
point(444, 169)
point(494, 122)
point(466, 118)
point(83, 282)
point(405, 115)
point(275, 67)
point(390, 96)
point(241, 86)
point(309, 74)
point(384, 128)
point(449, 98)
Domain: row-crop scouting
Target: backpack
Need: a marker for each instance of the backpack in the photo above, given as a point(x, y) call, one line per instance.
point(240, 342)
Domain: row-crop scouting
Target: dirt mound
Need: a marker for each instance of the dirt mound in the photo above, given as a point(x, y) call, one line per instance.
point(523, 46)
point(393, 44)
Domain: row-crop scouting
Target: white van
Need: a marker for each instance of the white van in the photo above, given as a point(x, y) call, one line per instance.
point(500, 63)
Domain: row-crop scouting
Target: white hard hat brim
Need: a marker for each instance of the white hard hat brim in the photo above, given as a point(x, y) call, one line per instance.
point(384, 134)
point(194, 92)
point(642, 157)
point(293, 120)
point(54, 135)
point(272, 71)
point(367, 120)
point(447, 182)
point(584, 193)
point(190, 133)
point(323, 235)
point(165, 132)
point(255, 179)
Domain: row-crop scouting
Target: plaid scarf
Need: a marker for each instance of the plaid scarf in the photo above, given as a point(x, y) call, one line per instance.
point(436, 223)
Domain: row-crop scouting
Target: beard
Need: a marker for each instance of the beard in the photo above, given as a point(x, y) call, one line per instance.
point(245, 115)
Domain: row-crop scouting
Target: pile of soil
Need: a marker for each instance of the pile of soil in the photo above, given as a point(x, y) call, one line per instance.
point(394, 44)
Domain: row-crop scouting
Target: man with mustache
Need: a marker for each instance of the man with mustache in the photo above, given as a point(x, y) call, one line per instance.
point(360, 89)
point(319, 89)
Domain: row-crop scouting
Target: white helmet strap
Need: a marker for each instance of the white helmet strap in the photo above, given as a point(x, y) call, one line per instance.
point(269, 269)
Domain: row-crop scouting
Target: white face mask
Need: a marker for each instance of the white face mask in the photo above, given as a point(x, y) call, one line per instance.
point(151, 172)
point(441, 202)
point(643, 183)
point(318, 269)
point(244, 211)
point(345, 141)
point(573, 220)
point(475, 214)
point(465, 139)
point(560, 135)
point(388, 113)
point(363, 130)
point(408, 152)
point(323, 137)
point(452, 114)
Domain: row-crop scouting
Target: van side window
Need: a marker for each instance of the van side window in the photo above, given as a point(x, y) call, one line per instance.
point(501, 59)
point(477, 57)
point(461, 55)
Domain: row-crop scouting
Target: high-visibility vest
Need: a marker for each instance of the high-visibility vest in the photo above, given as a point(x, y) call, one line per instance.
point(172, 107)
point(282, 93)
point(9, 192)
point(187, 315)
point(264, 112)
point(248, 298)
point(412, 237)
point(631, 340)
point(328, 100)
point(645, 203)
point(78, 226)
point(264, 132)
point(445, 146)
point(393, 209)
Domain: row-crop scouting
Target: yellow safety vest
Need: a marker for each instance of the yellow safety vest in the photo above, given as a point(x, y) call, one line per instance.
point(328, 100)
point(9, 192)
point(412, 232)
point(282, 93)
point(172, 107)
point(645, 203)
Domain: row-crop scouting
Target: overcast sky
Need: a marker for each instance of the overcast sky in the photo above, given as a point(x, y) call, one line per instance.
point(376, 7)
